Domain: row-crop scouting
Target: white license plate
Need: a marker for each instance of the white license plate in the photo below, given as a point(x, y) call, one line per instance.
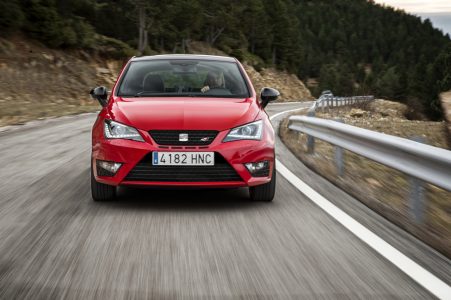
point(183, 158)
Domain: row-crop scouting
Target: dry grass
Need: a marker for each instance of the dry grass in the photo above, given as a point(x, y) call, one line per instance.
point(289, 86)
point(379, 187)
point(37, 82)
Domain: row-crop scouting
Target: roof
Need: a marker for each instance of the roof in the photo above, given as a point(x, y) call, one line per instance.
point(184, 56)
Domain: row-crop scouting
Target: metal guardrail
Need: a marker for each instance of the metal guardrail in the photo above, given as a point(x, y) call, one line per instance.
point(422, 161)
point(329, 100)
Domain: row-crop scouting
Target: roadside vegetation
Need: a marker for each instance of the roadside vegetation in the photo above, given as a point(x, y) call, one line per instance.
point(349, 47)
point(39, 82)
point(379, 187)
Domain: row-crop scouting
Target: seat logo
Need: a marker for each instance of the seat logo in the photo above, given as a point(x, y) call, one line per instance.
point(205, 139)
point(183, 137)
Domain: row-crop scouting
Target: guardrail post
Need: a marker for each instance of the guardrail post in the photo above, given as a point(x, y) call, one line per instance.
point(339, 156)
point(417, 195)
point(417, 199)
point(310, 139)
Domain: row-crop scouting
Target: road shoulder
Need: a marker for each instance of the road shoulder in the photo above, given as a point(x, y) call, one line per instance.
point(416, 250)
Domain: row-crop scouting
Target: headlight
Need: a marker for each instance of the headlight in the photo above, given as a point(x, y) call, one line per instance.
point(251, 131)
point(115, 130)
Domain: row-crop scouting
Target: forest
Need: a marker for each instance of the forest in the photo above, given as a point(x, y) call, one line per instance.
point(351, 47)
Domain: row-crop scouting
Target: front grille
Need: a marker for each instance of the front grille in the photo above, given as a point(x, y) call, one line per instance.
point(145, 171)
point(195, 137)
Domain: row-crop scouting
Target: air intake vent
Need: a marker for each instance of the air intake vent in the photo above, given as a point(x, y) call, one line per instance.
point(183, 137)
point(145, 171)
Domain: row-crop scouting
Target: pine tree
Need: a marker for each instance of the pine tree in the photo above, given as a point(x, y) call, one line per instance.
point(11, 16)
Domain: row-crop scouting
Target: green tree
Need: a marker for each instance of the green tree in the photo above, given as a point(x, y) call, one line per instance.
point(442, 69)
point(11, 16)
point(255, 27)
point(45, 24)
point(184, 24)
point(349, 46)
point(388, 85)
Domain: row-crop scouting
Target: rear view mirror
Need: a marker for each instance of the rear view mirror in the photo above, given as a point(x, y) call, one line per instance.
point(267, 95)
point(100, 94)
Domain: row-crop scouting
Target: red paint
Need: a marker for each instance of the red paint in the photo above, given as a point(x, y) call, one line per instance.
point(188, 113)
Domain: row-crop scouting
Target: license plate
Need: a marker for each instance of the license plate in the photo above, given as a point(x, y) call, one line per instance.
point(183, 158)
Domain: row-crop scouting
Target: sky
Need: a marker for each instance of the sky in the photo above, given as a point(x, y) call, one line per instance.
point(438, 11)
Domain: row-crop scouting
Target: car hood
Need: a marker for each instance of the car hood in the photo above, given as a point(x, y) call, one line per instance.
point(183, 114)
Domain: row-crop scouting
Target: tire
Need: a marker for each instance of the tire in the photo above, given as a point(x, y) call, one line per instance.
point(264, 192)
point(100, 191)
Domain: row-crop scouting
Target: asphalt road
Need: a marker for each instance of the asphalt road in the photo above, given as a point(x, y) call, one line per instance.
point(55, 242)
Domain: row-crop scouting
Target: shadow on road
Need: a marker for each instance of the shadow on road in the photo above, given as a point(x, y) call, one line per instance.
point(180, 199)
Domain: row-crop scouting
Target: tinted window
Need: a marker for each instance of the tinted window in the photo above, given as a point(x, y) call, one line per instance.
point(176, 78)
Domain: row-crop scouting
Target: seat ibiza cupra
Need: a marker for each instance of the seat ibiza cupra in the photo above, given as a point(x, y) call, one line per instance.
point(186, 121)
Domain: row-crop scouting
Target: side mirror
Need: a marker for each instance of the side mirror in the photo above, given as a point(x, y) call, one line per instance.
point(267, 95)
point(100, 94)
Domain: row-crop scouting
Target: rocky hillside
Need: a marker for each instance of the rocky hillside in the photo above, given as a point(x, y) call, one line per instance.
point(38, 82)
point(392, 118)
point(290, 87)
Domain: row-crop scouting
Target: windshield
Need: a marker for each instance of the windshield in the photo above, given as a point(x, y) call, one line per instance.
point(178, 78)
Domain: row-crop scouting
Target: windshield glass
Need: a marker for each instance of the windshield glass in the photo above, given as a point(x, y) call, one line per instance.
point(178, 78)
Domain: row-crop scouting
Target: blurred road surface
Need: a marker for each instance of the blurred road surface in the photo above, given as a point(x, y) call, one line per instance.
point(55, 242)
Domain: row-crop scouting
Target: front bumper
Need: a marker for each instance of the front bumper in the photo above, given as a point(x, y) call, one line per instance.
point(236, 154)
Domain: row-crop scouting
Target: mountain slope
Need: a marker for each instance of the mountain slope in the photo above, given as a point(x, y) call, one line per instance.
point(40, 82)
point(347, 46)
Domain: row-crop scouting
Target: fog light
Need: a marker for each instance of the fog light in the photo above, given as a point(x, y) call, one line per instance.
point(107, 168)
point(258, 169)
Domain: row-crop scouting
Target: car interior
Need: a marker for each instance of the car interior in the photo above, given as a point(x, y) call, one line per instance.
point(169, 79)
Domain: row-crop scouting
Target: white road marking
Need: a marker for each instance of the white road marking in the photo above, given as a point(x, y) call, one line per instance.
point(422, 276)
point(296, 102)
point(287, 111)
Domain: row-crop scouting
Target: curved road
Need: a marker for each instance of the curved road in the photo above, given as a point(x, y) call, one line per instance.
point(55, 242)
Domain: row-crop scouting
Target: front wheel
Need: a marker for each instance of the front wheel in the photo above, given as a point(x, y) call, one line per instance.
point(100, 191)
point(264, 192)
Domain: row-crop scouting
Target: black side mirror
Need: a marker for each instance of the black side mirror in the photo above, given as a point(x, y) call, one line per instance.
point(267, 95)
point(100, 93)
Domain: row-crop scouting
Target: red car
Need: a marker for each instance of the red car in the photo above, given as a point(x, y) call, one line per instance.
point(183, 120)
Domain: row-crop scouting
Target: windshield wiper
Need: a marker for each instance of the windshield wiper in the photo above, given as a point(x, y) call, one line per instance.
point(147, 94)
point(191, 95)
point(140, 94)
